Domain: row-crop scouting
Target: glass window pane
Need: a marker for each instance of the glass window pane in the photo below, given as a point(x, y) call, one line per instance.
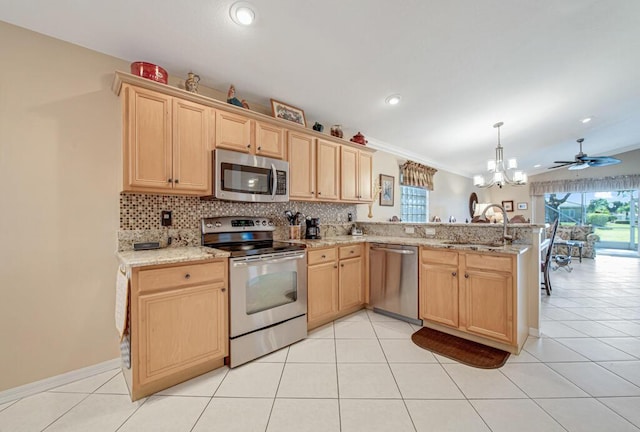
point(414, 204)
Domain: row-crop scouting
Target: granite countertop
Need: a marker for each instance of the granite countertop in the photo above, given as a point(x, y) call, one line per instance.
point(515, 249)
point(168, 256)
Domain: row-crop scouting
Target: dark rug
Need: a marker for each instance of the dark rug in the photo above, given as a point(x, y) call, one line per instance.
point(458, 349)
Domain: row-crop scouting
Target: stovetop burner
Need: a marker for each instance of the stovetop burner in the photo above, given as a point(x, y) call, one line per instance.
point(243, 236)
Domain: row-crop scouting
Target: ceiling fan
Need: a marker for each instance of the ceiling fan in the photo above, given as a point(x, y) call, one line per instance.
point(583, 161)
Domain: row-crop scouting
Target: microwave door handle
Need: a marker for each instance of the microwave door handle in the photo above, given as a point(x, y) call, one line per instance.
point(274, 182)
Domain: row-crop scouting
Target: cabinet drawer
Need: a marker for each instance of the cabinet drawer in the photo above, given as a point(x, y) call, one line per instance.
point(489, 262)
point(174, 277)
point(350, 251)
point(321, 256)
point(438, 256)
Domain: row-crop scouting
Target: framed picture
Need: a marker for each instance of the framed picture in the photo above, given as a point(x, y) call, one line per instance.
point(386, 190)
point(508, 205)
point(522, 206)
point(287, 112)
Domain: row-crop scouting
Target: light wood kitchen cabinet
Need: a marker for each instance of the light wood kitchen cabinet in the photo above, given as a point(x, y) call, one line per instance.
point(335, 283)
point(356, 168)
point(438, 299)
point(242, 134)
point(178, 324)
point(327, 172)
point(472, 292)
point(165, 145)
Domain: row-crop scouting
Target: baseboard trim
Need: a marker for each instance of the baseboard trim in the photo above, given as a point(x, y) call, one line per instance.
point(534, 332)
point(57, 380)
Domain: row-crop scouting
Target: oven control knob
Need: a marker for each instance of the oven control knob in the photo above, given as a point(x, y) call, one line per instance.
point(209, 225)
point(264, 223)
point(270, 223)
point(218, 224)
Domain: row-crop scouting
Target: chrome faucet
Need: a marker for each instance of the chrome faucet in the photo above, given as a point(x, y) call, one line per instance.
point(505, 219)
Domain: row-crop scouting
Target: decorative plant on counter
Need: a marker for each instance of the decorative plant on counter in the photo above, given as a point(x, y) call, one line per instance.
point(376, 192)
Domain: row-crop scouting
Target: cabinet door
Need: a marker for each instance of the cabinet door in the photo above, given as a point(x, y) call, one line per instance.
point(322, 296)
point(302, 164)
point(351, 283)
point(147, 140)
point(233, 132)
point(269, 140)
point(365, 176)
point(439, 293)
point(489, 304)
point(327, 174)
point(349, 174)
point(179, 329)
point(191, 156)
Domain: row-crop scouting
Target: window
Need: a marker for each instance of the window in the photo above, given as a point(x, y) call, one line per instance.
point(415, 204)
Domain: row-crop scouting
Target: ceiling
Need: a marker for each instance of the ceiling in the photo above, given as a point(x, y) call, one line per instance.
point(460, 66)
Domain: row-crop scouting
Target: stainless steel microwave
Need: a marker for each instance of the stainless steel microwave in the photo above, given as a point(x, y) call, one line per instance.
point(244, 177)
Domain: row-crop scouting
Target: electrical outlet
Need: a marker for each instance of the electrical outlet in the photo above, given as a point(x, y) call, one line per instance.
point(166, 218)
point(430, 231)
point(409, 230)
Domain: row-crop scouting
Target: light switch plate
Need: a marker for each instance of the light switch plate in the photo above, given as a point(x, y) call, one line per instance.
point(409, 230)
point(430, 231)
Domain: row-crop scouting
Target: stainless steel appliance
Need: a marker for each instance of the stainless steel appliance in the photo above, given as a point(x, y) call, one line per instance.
point(244, 177)
point(313, 228)
point(393, 271)
point(267, 286)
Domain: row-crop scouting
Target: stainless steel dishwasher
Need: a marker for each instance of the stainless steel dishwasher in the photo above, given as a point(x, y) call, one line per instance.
point(393, 276)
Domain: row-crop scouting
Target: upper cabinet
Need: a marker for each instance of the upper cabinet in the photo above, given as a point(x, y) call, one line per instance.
point(357, 175)
point(328, 170)
point(313, 168)
point(166, 143)
point(239, 133)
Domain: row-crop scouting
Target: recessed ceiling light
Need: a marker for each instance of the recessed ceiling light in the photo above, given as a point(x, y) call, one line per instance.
point(393, 99)
point(242, 13)
point(586, 120)
point(537, 165)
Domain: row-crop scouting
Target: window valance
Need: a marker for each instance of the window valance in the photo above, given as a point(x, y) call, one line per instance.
point(623, 182)
point(417, 175)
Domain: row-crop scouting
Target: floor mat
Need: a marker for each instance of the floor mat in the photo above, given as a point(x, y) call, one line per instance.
point(458, 349)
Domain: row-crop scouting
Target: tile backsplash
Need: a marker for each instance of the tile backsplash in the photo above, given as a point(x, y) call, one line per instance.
point(140, 219)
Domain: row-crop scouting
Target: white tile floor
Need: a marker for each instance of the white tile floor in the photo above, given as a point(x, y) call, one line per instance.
point(363, 373)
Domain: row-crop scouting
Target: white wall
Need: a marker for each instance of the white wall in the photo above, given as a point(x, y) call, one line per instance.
point(450, 196)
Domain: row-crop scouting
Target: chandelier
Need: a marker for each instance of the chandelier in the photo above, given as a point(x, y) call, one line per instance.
point(501, 173)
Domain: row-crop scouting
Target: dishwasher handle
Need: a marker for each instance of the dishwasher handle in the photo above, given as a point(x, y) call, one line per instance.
point(396, 251)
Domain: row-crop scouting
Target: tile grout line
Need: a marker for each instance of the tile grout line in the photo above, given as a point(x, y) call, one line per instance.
point(275, 395)
point(64, 413)
point(210, 400)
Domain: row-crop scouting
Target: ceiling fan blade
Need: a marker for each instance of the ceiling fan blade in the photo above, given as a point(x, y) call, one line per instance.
point(579, 166)
point(562, 165)
point(603, 161)
point(564, 162)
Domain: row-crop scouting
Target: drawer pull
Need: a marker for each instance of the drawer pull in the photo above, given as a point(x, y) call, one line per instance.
point(170, 181)
point(352, 251)
point(248, 145)
point(223, 289)
point(335, 266)
point(323, 256)
point(466, 275)
point(187, 276)
point(454, 273)
point(341, 265)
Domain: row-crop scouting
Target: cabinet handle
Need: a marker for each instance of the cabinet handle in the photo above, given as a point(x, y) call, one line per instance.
point(176, 181)
point(223, 289)
point(335, 266)
point(341, 265)
point(323, 256)
point(170, 181)
point(248, 145)
point(351, 251)
point(466, 275)
point(187, 276)
point(454, 273)
point(259, 147)
point(319, 193)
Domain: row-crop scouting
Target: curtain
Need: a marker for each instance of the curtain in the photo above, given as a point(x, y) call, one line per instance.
point(417, 175)
point(624, 182)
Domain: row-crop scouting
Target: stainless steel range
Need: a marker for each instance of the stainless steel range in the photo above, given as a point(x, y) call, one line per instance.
point(267, 286)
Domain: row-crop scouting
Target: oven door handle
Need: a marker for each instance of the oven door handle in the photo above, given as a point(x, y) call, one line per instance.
point(268, 260)
point(274, 181)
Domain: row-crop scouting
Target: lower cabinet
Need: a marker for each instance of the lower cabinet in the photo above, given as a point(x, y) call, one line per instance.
point(178, 324)
point(335, 283)
point(471, 292)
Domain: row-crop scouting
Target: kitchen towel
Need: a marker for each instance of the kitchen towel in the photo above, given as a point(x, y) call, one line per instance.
point(122, 302)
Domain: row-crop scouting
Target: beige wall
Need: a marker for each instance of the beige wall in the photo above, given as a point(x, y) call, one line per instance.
point(60, 141)
point(450, 196)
